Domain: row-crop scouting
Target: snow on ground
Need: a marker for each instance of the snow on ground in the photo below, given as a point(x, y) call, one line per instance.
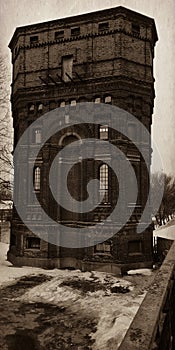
point(9, 273)
point(114, 311)
point(143, 272)
point(91, 293)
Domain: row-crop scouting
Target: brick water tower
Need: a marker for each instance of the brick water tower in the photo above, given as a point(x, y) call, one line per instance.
point(102, 57)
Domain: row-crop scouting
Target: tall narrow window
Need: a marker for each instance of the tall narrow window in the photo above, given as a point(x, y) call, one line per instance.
point(37, 179)
point(37, 136)
point(132, 131)
point(67, 66)
point(104, 183)
point(103, 132)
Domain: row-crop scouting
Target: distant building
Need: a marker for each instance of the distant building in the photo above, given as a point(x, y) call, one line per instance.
point(106, 56)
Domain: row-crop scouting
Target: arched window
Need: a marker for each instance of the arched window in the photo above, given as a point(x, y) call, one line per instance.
point(62, 104)
point(73, 103)
point(97, 100)
point(31, 108)
point(40, 107)
point(104, 174)
point(69, 139)
point(37, 178)
point(108, 99)
point(103, 132)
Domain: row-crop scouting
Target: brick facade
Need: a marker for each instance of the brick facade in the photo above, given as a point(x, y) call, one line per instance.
point(112, 55)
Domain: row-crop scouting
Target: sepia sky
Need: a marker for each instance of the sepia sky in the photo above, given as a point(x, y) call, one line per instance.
point(15, 13)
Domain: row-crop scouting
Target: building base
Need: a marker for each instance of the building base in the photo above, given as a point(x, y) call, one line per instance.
point(73, 263)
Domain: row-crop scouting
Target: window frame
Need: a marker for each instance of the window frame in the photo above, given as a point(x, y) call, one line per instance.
point(103, 26)
point(104, 183)
point(34, 39)
point(75, 31)
point(37, 179)
point(29, 243)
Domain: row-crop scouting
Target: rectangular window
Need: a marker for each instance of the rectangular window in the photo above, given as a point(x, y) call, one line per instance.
point(135, 28)
point(59, 35)
point(75, 31)
point(102, 248)
point(32, 243)
point(135, 247)
point(103, 26)
point(34, 39)
point(67, 66)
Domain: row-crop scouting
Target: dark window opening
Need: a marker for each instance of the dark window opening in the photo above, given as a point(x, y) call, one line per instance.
point(59, 34)
point(13, 240)
point(34, 39)
point(103, 26)
point(135, 247)
point(75, 31)
point(32, 243)
point(135, 28)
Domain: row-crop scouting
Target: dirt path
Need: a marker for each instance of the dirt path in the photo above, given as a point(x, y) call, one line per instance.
point(38, 326)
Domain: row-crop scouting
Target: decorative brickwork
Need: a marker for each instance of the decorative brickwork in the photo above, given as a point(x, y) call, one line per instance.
point(107, 57)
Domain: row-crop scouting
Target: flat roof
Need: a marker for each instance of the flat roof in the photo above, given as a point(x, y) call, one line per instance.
point(90, 16)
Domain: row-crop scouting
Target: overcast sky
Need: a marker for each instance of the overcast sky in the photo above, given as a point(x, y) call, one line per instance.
point(15, 13)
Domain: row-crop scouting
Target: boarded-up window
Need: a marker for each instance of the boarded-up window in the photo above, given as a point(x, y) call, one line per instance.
point(67, 65)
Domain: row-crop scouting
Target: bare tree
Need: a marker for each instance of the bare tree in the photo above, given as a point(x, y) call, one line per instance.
point(6, 163)
point(167, 207)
